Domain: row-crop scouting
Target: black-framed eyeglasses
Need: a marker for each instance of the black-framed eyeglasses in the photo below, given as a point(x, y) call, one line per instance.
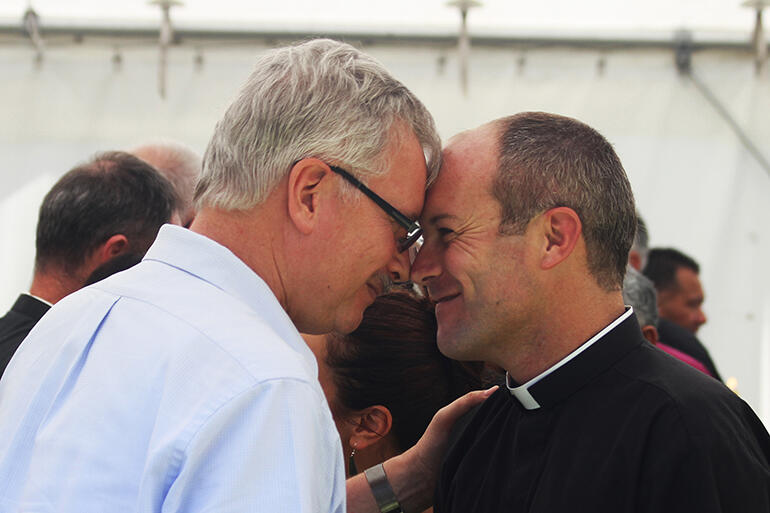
point(413, 229)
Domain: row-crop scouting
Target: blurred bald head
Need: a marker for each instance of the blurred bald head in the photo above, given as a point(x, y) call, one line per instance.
point(180, 165)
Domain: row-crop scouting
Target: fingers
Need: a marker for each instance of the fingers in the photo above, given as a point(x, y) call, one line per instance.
point(447, 415)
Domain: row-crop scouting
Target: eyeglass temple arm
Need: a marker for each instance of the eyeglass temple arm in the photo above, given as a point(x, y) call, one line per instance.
point(390, 209)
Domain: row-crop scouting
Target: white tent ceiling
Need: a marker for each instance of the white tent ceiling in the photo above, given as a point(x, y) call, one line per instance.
point(493, 15)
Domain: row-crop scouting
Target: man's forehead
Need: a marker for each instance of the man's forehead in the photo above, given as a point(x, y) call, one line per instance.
point(471, 155)
point(403, 186)
point(687, 279)
point(468, 168)
point(440, 199)
point(410, 200)
point(454, 198)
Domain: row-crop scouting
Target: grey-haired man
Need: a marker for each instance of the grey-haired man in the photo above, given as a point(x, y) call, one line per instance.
point(183, 384)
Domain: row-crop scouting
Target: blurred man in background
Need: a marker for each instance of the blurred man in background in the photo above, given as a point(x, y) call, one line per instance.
point(181, 166)
point(639, 293)
point(109, 207)
point(680, 302)
point(680, 294)
point(637, 257)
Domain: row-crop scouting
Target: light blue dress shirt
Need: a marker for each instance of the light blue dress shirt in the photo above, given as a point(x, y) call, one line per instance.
point(178, 385)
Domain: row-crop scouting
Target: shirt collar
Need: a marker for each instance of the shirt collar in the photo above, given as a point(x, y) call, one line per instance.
point(574, 370)
point(41, 300)
point(213, 263)
point(31, 306)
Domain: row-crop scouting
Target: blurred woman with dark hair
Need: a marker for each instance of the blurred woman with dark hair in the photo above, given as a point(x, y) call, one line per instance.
point(386, 380)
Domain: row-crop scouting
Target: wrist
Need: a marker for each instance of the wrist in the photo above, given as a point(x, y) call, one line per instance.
point(383, 493)
point(412, 483)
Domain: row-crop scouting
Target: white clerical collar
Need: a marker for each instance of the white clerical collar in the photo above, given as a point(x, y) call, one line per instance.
point(522, 393)
point(41, 299)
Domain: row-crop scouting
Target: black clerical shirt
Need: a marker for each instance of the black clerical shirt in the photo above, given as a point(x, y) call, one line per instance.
point(679, 338)
point(17, 323)
point(621, 427)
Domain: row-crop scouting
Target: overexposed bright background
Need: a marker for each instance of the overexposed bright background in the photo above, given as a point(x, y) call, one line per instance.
point(698, 187)
point(499, 15)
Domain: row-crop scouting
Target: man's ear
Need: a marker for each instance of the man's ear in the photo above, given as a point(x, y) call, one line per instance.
point(635, 260)
point(114, 246)
point(372, 424)
point(650, 332)
point(562, 229)
point(306, 179)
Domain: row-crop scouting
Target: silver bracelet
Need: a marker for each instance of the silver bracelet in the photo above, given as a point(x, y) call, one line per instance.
point(381, 489)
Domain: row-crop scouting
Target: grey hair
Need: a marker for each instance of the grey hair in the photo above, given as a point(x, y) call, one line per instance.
point(639, 292)
point(548, 161)
point(322, 99)
point(641, 240)
point(180, 164)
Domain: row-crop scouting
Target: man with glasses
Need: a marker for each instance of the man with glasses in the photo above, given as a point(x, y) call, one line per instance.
point(183, 384)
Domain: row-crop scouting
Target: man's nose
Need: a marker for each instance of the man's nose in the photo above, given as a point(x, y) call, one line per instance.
point(398, 267)
point(701, 319)
point(425, 265)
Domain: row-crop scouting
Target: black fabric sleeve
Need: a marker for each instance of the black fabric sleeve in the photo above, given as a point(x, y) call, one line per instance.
point(723, 470)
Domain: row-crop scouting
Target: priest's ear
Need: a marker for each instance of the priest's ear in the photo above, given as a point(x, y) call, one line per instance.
point(562, 229)
point(372, 424)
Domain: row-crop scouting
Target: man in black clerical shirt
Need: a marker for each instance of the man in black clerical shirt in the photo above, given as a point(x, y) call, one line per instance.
point(110, 207)
point(669, 333)
point(680, 302)
point(527, 233)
